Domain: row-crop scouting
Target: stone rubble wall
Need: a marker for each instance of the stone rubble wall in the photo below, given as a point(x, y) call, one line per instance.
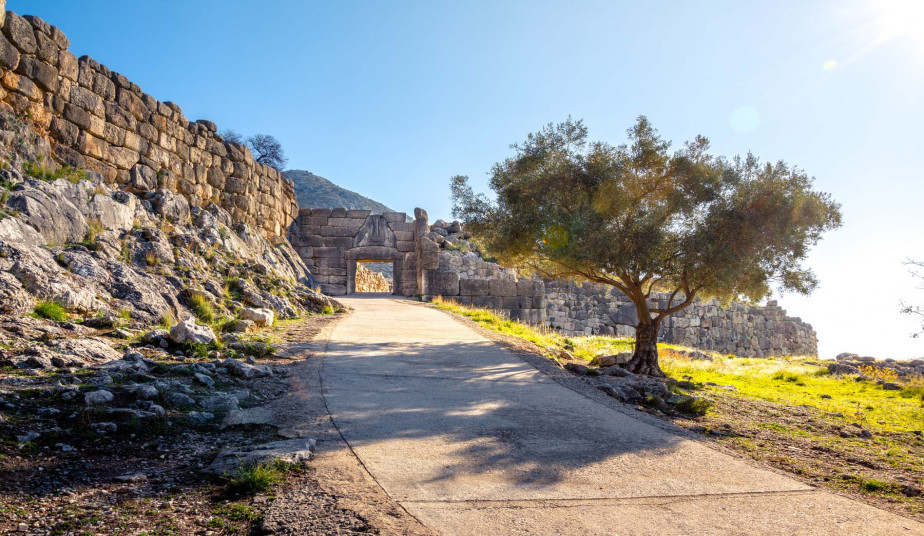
point(471, 266)
point(99, 120)
point(369, 281)
point(463, 277)
point(740, 329)
point(329, 242)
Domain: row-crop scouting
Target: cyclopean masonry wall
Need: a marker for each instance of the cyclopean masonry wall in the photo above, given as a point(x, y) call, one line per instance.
point(740, 329)
point(97, 119)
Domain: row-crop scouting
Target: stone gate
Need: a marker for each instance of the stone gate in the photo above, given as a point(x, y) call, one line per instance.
point(332, 241)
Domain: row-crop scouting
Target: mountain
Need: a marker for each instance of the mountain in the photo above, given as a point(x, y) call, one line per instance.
point(313, 191)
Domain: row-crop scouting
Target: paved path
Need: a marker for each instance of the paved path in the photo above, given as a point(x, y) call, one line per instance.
point(471, 440)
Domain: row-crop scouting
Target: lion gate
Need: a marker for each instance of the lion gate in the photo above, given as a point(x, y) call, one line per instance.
point(332, 241)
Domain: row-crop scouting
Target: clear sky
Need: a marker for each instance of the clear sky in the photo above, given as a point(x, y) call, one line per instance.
point(390, 99)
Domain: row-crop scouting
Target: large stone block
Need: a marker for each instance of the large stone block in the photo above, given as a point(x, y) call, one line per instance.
point(333, 289)
point(516, 302)
point(342, 242)
point(474, 287)
point(487, 302)
point(339, 212)
point(503, 287)
point(405, 245)
point(441, 283)
point(337, 231)
point(329, 252)
point(362, 214)
point(404, 235)
point(330, 262)
point(44, 75)
point(395, 217)
point(529, 287)
point(352, 223)
point(9, 54)
point(20, 33)
point(402, 226)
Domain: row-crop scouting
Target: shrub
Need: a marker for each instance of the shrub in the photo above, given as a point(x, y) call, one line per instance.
point(202, 308)
point(327, 310)
point(52, 311)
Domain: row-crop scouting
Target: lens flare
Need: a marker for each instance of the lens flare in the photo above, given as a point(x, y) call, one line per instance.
point(829, 65)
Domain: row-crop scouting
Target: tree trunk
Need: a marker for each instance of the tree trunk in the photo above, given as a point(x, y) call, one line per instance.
point(645, 358)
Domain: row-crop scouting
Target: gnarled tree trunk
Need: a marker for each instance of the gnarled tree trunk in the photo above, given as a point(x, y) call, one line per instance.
point(645, 359)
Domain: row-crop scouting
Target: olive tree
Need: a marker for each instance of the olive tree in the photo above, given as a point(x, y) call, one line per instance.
point(644, 220)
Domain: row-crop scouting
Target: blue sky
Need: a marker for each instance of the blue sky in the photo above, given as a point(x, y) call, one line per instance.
point(392, 98)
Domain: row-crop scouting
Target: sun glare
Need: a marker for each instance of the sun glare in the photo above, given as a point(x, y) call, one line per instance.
point(900, 19)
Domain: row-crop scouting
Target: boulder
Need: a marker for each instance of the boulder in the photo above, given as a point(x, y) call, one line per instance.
point(841, 368)
point(229, 461)
point(98, 397)
point(189, 331)
point(259, 316)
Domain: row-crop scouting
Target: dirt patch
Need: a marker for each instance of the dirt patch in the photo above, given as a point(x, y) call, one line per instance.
point(64, 472)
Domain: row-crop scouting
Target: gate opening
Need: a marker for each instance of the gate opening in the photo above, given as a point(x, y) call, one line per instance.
point(375, 277)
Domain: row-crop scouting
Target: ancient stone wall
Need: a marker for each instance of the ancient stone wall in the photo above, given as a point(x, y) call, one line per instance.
point(740, 329)
point(99, 120)
point(331, 241)
point(369, 281)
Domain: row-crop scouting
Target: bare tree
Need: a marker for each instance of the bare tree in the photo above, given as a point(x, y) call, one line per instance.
point(915, 310)
point(232, 136)
point(267, 150)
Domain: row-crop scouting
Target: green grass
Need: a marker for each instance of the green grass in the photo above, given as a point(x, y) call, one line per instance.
point(52, 311)
point(38, 170)
point(793, 382)
point(202, 308)
point(582, 347)
point(259, 477)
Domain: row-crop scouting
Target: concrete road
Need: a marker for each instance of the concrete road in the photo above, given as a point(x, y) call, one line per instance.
point(471, 440)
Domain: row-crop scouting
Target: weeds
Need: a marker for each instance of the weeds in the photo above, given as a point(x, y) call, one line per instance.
point(202, 308)
point(259, 477)
point(38, 170)
point(167, 320)
point(52, 311)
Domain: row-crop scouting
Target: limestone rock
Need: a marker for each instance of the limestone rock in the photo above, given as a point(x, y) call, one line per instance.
point(189, 331)
point(260, 317)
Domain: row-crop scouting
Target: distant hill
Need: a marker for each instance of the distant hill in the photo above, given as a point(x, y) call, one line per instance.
point(313, 191)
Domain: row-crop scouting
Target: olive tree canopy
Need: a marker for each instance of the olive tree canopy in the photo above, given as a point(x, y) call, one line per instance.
point(643, 220)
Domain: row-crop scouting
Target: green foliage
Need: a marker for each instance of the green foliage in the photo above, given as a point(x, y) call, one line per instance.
point(38, 170)
point(167, 320)
point(643, 219)
point(202, 308)
point(52, 311)
point(694, 405)
point(125, 314)
point(326, 310)
point(259, 477)
point(201, 350)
